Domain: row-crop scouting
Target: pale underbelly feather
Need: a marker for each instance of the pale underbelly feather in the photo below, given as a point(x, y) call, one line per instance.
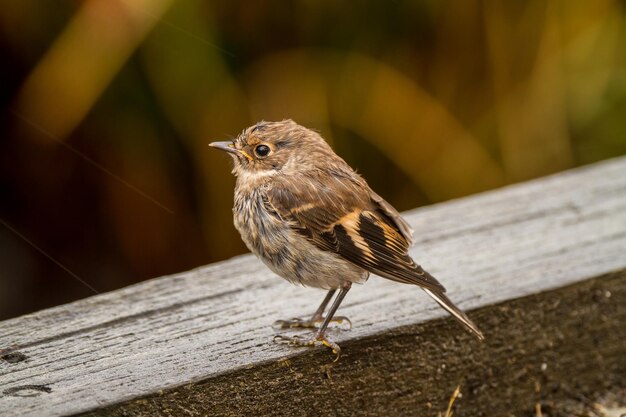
point(286, 252)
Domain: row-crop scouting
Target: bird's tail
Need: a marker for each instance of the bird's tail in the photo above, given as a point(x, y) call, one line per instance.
point(447, 304)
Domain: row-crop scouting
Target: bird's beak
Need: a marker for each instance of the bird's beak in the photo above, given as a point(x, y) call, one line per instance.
point(227, 146)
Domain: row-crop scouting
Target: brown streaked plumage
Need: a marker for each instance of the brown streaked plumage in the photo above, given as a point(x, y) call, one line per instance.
point(314, 221)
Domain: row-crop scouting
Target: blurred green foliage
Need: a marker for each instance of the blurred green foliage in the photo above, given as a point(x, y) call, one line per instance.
point(108, 107)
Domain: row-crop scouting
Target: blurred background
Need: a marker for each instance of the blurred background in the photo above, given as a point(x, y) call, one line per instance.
point(108, 106)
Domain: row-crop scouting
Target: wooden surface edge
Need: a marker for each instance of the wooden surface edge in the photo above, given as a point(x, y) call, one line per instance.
point(565, 344)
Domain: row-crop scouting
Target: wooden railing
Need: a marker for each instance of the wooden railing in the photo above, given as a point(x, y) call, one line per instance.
point(539, 266)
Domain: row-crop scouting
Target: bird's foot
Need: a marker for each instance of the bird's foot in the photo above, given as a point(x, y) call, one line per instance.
point(310, 341)
point(312, 323)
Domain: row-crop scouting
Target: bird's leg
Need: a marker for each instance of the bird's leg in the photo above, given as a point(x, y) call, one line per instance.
point(312, 323)
point(320, 337)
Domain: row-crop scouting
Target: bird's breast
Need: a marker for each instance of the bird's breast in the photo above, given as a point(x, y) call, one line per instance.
point(286, 252)
point(259, 225)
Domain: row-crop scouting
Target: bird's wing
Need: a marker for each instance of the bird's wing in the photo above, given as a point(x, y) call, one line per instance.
point(394, 217)
point(339, 213)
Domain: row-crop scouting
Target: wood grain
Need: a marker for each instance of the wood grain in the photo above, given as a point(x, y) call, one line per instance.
point(152, 346)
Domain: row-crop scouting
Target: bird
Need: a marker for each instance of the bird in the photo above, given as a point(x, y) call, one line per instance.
point(311, 219)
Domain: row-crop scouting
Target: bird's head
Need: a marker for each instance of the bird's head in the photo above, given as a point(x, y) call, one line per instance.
point(272, 147)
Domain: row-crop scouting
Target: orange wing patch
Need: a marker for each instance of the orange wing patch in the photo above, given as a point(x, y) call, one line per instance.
point(351, 222)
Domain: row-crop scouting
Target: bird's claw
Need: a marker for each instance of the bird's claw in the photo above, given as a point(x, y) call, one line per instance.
point(317, 340)
point(341, 319)
point(295, 322)
point(313, 323)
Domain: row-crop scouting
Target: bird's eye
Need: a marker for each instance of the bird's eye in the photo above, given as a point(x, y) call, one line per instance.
point(262, 151)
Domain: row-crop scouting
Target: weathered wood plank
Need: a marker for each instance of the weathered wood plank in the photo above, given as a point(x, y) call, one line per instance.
point(196, 327)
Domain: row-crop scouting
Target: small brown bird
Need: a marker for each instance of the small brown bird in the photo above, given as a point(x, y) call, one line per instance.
point(312, 220)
